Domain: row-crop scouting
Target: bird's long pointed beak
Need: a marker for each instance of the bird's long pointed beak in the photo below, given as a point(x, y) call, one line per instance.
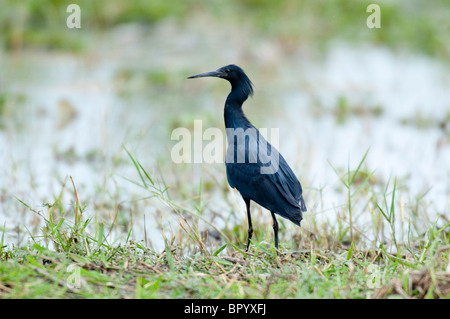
point(216, 73)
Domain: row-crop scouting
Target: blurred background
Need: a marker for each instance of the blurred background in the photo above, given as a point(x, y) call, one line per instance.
point(71, 99)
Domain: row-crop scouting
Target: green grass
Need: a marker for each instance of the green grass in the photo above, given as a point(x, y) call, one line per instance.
point(133, 271)
point(77, 259)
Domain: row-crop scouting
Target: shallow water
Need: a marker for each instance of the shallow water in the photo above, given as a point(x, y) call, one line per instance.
point(71, 114)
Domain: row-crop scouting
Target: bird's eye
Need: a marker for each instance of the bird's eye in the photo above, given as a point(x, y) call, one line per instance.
point(227, 71)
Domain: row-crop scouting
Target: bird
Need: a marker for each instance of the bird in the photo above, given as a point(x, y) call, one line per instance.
point(253, 166)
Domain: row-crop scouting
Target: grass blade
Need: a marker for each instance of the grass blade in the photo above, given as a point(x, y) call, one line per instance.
point(352, 179)
point(137, 166)
point(219, 250)
point(169, 256)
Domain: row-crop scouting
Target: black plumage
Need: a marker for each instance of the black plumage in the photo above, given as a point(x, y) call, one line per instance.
point(254, 167)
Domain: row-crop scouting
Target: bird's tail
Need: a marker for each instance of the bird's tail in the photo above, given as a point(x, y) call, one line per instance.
point(302, 204)
point(297, 217)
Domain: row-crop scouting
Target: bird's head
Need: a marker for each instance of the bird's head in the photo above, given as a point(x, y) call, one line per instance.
point(234, 74)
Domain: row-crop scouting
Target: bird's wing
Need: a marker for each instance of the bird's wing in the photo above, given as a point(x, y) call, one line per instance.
point(288, 180)
point(275, 166)
point(265, 189)
point(230, 178)
point(264, 176)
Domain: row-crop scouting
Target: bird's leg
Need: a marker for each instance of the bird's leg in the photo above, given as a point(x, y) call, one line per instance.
point(275, 231)
point(250, 226)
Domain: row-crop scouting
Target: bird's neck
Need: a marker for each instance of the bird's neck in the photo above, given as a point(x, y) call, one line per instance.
point(238, 94)
point(233, 114)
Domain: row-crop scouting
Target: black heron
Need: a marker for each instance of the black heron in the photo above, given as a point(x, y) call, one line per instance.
point(254, 167)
